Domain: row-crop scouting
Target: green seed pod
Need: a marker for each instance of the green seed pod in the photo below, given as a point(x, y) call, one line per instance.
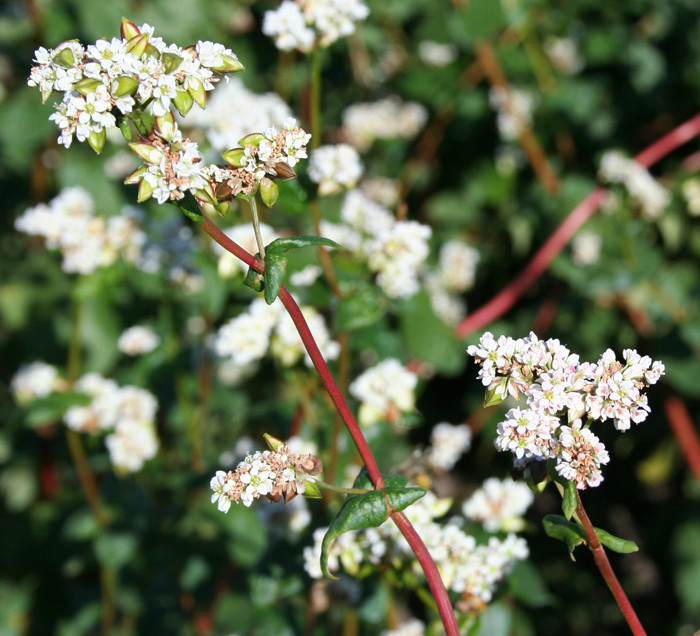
point(235, 157)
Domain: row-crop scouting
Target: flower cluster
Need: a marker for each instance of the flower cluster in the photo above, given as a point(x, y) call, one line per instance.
point(36, 380)
point(334, 168)
point(395, 250)
point(133, 72)
point(388, 118)
point(585, 247)
point(126, 412)
point(514, 111)
point(87, 241)
point(412, 627)
point(385, 391)
point(471, 570)
point(646, 192)
point(691, 193)
point(564, 55)
point(447, 444)
point(271, 474)
point(246, 338)
point(306, 24)
point(437, 54)
point(138, 340)
point(556, 384)
point(499, 505)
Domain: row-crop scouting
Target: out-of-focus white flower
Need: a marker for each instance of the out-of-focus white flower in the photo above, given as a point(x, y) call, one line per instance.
point(458, 261)
point(385, 390)
point(564, 55)
point(244, 235)
point(138, 340)
point(87, 241)
point(388, 118)
point(131, 444)
point(437, 54)
point(646, 192)
point(585, 248)
point(334, 168)
point(412, 627)
point(448, 443)
point(386, 192)
point(514, 111)
point(287, 344)
point(306, 277)
point(691, 192)
point(36, 380)
point(499, 505)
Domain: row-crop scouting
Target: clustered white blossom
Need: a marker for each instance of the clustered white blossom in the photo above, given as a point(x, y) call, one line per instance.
point(499, 505)
point(646, 192)
point(437, 54)
point(334, 168)
point(246, 338)
point(385, 391)
point(233, 111)
point(564, 55)
point(412, 627)
point(388, 118)
point(137, 340)
point(36, 380)
point(514, 111)
point(556, 384)
point(87, 241)
point(117, 76)
point(471, 570)
point(395, 250)
point(306, 24)
point(585, 247)
point(271, 474)
point(127, 413)
point(447, 444)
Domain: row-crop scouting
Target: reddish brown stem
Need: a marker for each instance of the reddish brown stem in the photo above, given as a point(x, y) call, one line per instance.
point(503, 301)
point(685, 432)
point(437, 587)
point(603, 564)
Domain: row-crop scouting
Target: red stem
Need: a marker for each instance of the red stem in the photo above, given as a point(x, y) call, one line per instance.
point(503, 301)
point(432, 575)
point(685, 432)
point(603, 564)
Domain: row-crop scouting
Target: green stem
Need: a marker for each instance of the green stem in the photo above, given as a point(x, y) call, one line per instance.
point(256, 227)
point(315, 98)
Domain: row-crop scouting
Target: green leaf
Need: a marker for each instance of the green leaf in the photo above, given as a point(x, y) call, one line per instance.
point(275, 269)
point(615, 543)
point(368, 510)
point(568, 503)
point(188, 204)
point(363, 307)
point(558, 527)
point(115, 549)
point(295, 242)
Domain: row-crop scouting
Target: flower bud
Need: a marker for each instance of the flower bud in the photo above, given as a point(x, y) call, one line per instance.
point(196, 90)
point(223, 208)
point(97, 140)
point(124, 85)
point(165, 125)
point(124, 128)
point(145, 191)
point(496, 394)
point(269, 192)
point(311, 489)
point(228, 64)
point(273, 443)
point(137, 46)
point(235, 157)
point(274, 497)
point(311, 465)
point(183, 102)
point(152, 51)
point(170, 61)
point(65, 57)
point(284, 171)
point(253, 139)
point(148, 152)
point(87, 85)
point(206, 195)
point(136, 176)
point(129, 30)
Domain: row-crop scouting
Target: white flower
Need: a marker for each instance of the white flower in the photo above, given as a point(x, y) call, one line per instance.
point(137, 340)
point(585, 248)
point(288, 27)
point(449, 443)
point(499, 505)
point(580, 456)
point(335, 167)
point(35, 380)
point(514, 108)
point(458, 261)
point(563, 53)
point(436, 54)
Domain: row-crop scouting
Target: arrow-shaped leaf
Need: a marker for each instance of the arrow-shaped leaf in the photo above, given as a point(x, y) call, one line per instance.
point(615, 543)
point(559, 527)
point(295, 242)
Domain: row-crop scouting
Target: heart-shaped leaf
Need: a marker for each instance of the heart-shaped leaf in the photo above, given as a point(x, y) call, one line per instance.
point(568, 503)
point(615, 543)
point(295, 242)
point(559, 527)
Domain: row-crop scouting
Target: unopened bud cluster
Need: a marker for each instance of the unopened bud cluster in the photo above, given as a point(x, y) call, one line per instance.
point(111, 78)
point(556, 384)
point(275, 475)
